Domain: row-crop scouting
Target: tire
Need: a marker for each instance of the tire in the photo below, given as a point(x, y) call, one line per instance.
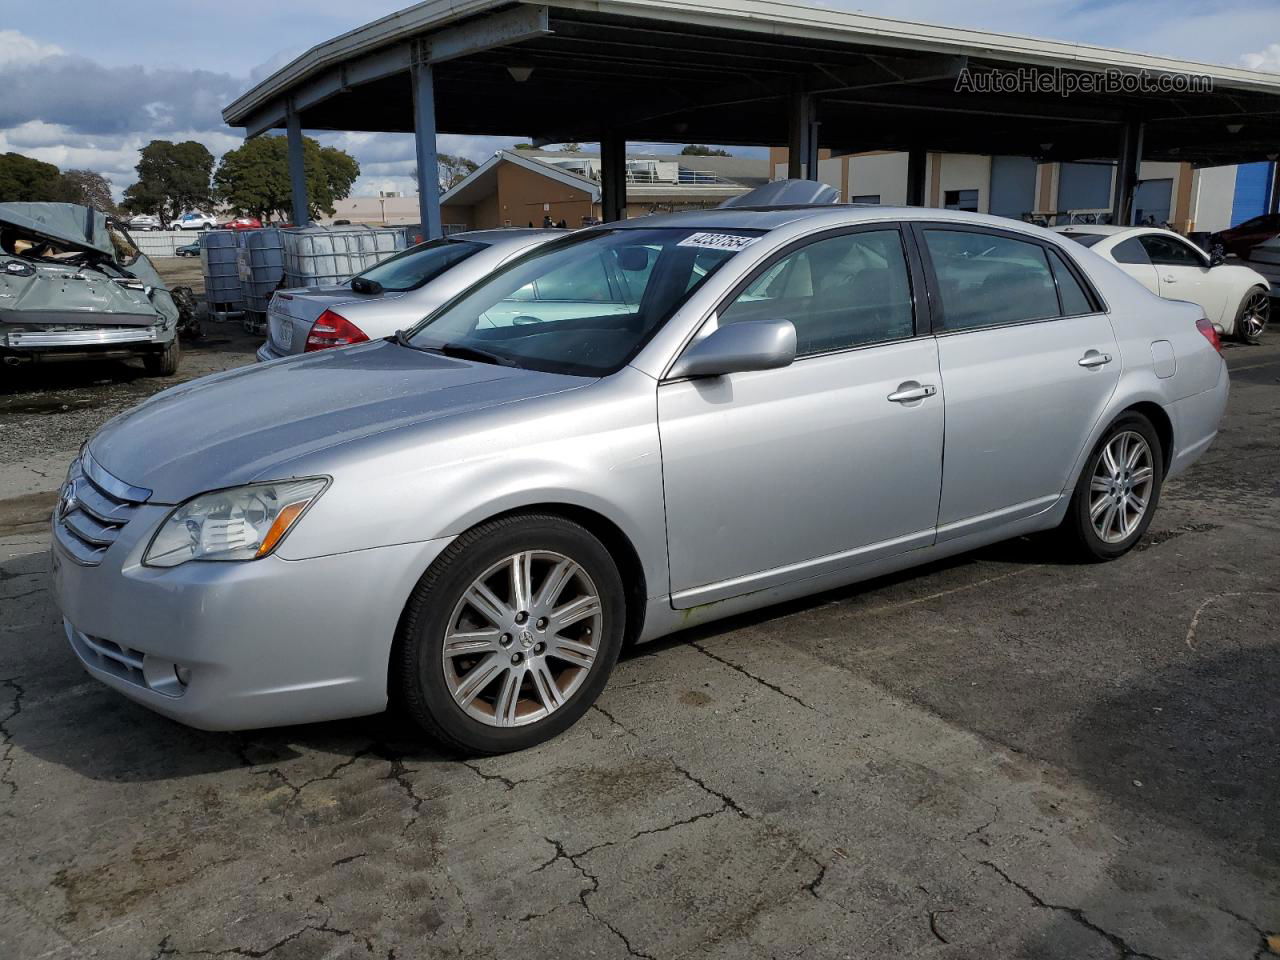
point(1252, 315)
point(164, 363)
point(1084, 532)
point(440, 692)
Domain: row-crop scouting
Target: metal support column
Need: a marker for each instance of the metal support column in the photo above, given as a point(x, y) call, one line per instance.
point(613, 177)
point(916, 158)
point(424, 135)
point(297, 170)
point(1127, 173)
point(1273, 192)
point(802, 145)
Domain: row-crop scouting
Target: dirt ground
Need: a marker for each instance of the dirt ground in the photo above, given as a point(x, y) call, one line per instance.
point(1001, 756)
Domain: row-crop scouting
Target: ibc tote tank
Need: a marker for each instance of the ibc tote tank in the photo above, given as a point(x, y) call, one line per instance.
point(222, 290)
point(319, 256)
point(260, 263)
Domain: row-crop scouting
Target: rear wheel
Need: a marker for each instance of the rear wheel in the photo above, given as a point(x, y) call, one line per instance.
point(1253, 315)
point(510, 636)
point(1116, 495)
point(164, 363)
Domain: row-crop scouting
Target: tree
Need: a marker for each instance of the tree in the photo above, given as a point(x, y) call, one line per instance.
point(702, 150)
point(254, 179)
point(571, 147)
point(453, 170)
point(91, 189)
point(24, 178)
point(524, 146)
point(172, 179)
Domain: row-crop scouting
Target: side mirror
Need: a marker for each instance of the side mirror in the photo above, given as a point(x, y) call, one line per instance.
point(739, 347)
point(1217, 258)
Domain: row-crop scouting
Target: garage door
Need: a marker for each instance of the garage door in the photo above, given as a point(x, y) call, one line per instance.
point(1013, 186)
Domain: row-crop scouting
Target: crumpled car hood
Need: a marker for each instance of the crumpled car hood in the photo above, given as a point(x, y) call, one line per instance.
point(247, 424)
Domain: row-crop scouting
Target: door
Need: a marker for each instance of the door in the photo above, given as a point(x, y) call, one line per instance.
point(1131, 257)
point(778, 475)
point(1184, 273)
point(1028, 365)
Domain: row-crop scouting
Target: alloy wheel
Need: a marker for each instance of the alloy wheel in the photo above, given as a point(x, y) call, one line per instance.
point(1121, 485)
point(522, 638)
point(1256, 313)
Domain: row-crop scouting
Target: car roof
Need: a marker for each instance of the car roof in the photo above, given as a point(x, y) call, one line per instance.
point(507, 235)
point(770, 218)
point(1102, 229)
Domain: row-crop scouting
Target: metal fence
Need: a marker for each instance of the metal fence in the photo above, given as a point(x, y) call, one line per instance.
point(163, 243)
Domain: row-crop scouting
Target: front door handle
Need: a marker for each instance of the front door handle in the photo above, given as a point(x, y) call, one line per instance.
point(1093, 358)
point(912, 391)
point(1168, 278)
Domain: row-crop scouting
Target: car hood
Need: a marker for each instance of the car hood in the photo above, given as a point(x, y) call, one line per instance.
point(247, 424)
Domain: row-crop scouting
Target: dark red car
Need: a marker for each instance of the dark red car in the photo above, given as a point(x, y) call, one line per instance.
point(1244, 237)
point(242, 223)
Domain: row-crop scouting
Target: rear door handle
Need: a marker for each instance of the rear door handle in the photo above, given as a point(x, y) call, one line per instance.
point(1093, 358)
point(908, 392)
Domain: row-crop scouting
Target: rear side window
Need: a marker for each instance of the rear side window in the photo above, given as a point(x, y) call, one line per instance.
point(1085, 239)
point(1131, 251)
point(1074, 299)
point(839, 292)
point(419, 265)
point(986, 280)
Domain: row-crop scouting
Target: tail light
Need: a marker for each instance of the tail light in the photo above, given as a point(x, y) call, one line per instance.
point(1210, 333)
point(333, 330)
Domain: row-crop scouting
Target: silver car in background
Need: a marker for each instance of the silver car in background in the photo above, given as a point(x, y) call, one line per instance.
point(472, 518)
point(396, 293)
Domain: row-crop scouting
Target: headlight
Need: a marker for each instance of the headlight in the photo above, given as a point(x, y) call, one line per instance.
point(241, 523)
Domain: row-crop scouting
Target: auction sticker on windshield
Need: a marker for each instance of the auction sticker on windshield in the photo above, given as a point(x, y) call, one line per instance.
point(717, 241)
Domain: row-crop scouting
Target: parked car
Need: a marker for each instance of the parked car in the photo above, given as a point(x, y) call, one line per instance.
point(1265, 259)
point(194, 221)
point(242, 223)
point(189, 250)
point(1231, 294)
point(396, 293)
point(145, 221)
point(73, 285)
point(1240, 239)
point(473, 517)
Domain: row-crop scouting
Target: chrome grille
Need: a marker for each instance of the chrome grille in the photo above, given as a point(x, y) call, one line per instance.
point(92, 510)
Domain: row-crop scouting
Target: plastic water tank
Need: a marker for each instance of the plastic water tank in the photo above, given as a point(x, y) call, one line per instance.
point(222, 290)
point(260, 263)
point(315, 256)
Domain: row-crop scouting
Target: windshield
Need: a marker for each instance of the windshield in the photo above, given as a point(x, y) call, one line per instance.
point(1085, 239)
point(583, 305)
point(413, 267)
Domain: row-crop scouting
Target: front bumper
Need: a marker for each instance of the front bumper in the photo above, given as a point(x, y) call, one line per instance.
point(104, 337)
point(226, 646)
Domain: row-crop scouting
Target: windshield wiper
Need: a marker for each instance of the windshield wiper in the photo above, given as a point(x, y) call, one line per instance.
point(402, 337)
point(463, 352)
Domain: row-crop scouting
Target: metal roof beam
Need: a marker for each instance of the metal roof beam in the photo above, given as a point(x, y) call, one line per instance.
point(485, 33)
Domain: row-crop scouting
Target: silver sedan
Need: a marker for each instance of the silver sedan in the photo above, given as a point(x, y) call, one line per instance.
point(716, 411)
point(396, 293)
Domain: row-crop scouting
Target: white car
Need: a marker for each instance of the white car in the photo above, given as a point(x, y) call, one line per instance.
point(194, 221)
point(1232, 295)
point(145, 221)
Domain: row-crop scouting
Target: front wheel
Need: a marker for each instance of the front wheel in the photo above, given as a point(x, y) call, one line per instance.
point(510, 636)
point(1252, 317)
point(1116, 495)
point(164, 363)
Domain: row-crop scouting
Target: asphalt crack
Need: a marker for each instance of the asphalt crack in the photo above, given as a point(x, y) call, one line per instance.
point(1264, 945)
point(400, 774)
point(499, 778)
point(585, 892)
point(6, 736)
point(1123, 950)
point(747, 673)
point(296, 789)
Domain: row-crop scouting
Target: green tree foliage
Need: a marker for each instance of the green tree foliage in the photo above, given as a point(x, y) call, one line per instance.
point(91, 189)
point(23, 178)
point(524, 146)
point(254, 179)
point(172, 179)
point(453, 170)
point(702, 150)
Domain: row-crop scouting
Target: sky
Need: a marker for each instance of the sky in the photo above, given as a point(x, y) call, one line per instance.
point(85, 84)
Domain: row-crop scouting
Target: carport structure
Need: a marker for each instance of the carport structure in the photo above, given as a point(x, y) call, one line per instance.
point(755, 72)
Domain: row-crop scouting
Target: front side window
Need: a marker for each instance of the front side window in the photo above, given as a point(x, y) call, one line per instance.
point(986, 280)
point(582, 305)
point(418, 265)
point(1130, 251)
point(1169, 251)
point(839, 292)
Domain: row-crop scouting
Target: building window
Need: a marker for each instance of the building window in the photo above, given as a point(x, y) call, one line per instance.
point(962, 200)
point(871, 198)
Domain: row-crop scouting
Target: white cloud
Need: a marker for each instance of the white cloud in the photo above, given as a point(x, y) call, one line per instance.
point(1268, 59)
point(17, 49)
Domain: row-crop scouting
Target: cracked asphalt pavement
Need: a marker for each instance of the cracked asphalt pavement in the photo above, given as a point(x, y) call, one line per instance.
point(1004, 755)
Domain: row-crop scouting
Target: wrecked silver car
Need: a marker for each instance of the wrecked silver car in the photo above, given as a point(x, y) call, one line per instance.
point(73, 285)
